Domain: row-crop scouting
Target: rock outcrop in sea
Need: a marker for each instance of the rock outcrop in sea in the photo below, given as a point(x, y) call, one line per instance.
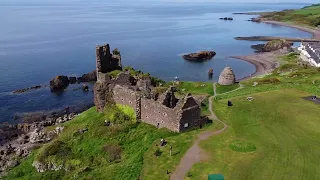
point(200, 56)
point(59, 83)
point(227, 77)
point(273, 45)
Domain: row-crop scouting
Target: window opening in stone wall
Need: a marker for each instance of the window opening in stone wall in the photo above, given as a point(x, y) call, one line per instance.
point(165, 114)
point(145, 106)
point(186, 125)
point(130, 102)
point(122, 99)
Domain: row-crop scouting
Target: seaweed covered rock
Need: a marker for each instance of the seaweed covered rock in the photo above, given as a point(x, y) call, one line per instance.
point(227, 77)
point(277, 44)
point(59, 83)
point(273, 45)
point(200, 56)
point(89, 77)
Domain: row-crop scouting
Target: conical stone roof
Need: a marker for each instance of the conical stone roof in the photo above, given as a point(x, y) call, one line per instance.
point(227, 77)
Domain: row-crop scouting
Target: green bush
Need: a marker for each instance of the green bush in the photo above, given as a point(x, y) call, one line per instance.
point(270, 80)
point(158, 152)
point(116, 51)
point(113, 151)
point(118, 113)
point(315, 21)
point(242, 146)
point(156, 81)
point(115, 73)
point(55, 148)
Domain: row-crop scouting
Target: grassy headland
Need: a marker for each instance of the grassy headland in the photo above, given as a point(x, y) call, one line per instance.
point(309, 16)
point(275, 136)
point(125, 150)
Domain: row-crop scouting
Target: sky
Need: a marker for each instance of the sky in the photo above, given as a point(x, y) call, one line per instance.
point(247, 1)
point(161, 1)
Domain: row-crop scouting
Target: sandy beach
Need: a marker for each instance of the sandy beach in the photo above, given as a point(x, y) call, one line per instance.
point(266, 62)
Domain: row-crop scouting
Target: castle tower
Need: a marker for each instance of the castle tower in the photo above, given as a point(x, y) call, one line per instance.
point(106, 62)
point(103, 58)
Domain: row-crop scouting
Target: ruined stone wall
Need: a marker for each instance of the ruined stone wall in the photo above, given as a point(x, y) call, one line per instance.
point(184, 116)
point(124, 96)
point(153, 113)
point(103, 58)
point(105, 61)
point(190, 118)
point(100, 95)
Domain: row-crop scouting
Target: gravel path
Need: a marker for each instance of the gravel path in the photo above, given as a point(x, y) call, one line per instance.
point(195, 154)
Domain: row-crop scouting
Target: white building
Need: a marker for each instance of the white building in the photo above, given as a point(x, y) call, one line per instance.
point(310, 52)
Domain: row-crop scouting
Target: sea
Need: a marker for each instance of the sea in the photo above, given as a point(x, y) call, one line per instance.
point(41, 39)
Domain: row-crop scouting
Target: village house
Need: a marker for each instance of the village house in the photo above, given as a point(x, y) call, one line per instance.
point(310, 52)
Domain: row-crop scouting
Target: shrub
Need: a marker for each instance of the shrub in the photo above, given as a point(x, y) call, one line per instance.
point(157, 153)
point(242, 146)
point(114, 74)
point(119, 113)
point(116, 51)
point(156, 81)
point(57, 148)
point(315, 21)
point(113, 151)
point(268, 81)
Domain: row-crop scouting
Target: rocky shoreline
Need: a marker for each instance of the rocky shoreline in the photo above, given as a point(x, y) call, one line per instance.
point(25, 137)
point(60, 82)
point(265, 62)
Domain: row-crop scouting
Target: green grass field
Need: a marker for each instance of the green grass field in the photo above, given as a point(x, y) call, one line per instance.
point(195, 88)
point(284, 129)
point(122, 151)
point(275, 136)
point(306, 16)
point(114, 152)
point(223, 89)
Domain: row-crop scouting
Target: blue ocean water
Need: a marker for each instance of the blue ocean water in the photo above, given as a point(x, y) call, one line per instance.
point(39, 40)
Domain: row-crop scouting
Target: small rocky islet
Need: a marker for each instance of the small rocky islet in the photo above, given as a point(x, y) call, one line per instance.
point(199, 56)
point(227, 18)
point(272, 46)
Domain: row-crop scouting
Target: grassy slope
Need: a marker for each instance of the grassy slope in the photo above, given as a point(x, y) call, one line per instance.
point(155, 167)
point(279, 123)
point(308, 16)
point(283, 127)
point(223, 89)
point(138, 141)
point(195, 88)
point(88, 159)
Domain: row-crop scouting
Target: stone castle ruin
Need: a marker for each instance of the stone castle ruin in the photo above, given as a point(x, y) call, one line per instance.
point(164, 110)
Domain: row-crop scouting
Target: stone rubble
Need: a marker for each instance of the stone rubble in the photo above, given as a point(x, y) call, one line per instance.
point(33, 135)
